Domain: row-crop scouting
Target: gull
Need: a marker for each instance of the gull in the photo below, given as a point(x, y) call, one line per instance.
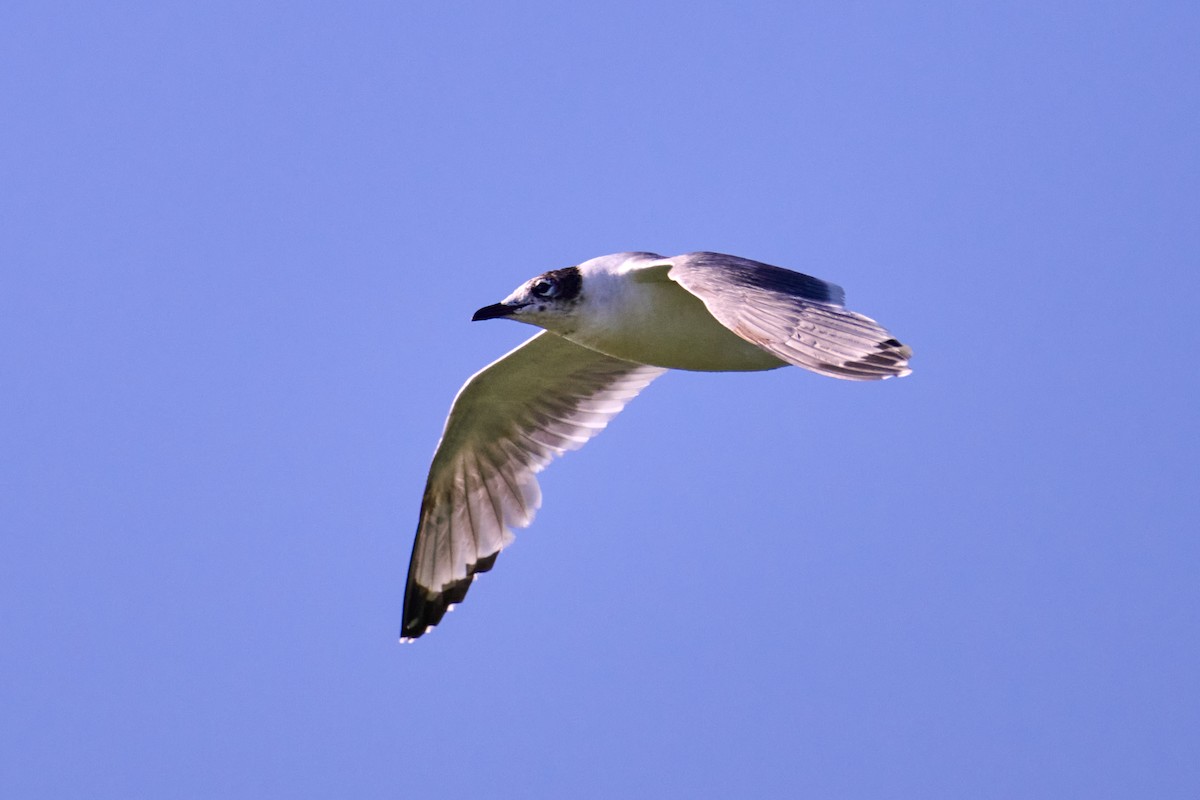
point(611, 325)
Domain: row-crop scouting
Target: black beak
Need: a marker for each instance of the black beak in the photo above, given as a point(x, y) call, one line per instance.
point(494, 311)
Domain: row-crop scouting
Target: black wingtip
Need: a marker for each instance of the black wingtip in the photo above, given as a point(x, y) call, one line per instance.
point(891, 361)
point(424, 609)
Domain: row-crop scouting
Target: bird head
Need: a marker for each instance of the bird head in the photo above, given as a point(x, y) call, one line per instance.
point(549, 298)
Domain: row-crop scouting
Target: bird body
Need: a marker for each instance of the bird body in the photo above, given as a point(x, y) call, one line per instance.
point(611, 326)
point(635, 312)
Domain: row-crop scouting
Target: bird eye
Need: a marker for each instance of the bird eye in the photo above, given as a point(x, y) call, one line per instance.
point(544, 287)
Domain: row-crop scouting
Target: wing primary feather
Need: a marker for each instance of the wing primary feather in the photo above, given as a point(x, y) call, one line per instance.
point(508, 421)
point(795, 317)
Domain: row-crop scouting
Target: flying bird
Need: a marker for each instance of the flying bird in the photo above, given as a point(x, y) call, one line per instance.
point(611, 326)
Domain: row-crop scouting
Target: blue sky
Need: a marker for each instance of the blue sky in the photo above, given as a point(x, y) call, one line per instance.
point(242, 243)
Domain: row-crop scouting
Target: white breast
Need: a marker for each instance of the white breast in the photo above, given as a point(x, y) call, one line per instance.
point(662, 324)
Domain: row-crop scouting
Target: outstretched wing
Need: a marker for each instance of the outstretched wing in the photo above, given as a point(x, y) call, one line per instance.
point(508, 421)
point(792, 316)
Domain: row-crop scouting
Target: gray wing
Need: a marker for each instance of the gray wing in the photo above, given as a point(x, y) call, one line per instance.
point(507, 423)
point(792, 316)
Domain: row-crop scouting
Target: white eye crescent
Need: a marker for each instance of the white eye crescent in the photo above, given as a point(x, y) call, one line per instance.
point(544, 287)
